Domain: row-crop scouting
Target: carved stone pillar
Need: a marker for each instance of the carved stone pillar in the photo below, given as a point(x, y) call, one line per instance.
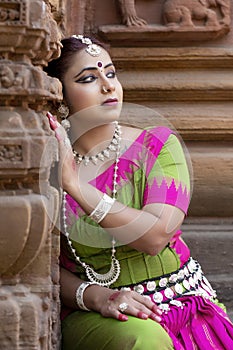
point(29, 275)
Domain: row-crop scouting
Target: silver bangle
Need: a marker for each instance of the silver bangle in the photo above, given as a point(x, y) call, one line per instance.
point(79, 295)
point(102, 208)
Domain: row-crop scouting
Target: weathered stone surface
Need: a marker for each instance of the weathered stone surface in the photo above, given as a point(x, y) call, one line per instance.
point(28, 30)
point(165, 22)
point(29, 282)
point(20, 312)
point(179, 13)
point(210, 241)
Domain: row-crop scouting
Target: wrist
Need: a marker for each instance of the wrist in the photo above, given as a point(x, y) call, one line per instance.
point(95, 296)
point(79, 295)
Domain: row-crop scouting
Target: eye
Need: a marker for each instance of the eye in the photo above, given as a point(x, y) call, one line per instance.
point(111, 74)
point(87, 79)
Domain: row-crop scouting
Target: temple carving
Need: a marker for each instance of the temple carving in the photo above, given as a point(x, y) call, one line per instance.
point(29, 292)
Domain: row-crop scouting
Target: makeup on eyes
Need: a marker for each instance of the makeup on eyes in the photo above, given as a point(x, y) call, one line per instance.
point(99, 64)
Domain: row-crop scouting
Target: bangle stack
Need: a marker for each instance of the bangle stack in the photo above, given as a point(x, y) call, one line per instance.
point(102, 208)
point(79, 295)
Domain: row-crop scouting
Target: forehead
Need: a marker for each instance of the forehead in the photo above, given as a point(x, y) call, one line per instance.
point(82, 59)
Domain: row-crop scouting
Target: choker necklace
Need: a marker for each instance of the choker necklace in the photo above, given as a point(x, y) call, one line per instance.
point(112, 147)
point(112, 275)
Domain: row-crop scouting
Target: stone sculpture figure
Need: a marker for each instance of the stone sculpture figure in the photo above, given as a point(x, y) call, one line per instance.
point(180, 12)
point(7, 77)
point(183, 12)
point(129, 14)
point(8, 14)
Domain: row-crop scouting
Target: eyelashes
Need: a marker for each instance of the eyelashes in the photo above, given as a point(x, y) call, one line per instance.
point(87, 79)
point(91, 77)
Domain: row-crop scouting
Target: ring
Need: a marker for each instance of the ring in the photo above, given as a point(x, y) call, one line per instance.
point(122, 307)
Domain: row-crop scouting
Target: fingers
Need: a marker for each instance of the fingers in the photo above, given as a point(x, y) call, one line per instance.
point(144, 312)
point(54, 125)
point(122, 317)
point(60, 132)
point(142, 315)
point(123, 303)
point(52, 121)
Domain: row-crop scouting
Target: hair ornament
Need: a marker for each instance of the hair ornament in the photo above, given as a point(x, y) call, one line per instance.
point(92, 49)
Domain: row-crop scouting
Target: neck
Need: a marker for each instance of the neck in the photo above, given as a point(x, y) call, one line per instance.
point(93, 140)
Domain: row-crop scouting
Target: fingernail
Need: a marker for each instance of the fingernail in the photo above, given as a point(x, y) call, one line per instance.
point(50, 116)
point(155, 317)
point(122, 317)
point(155, 309)
point(142, 315)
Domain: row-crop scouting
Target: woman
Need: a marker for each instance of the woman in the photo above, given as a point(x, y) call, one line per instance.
point(127, 278)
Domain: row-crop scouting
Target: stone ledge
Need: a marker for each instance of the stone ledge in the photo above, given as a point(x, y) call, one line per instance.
point(121, 35)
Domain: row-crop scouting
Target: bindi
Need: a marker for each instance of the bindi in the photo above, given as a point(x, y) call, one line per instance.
point(99, 64)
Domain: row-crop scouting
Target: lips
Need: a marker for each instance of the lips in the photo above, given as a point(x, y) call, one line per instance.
point(110, 102)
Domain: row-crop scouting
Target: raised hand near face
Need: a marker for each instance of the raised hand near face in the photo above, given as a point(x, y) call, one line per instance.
point(67, 169)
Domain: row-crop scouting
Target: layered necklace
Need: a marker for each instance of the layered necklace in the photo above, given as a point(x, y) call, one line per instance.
point(112, 275)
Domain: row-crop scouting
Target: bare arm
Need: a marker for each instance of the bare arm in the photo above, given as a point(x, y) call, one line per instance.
point(148, 230)
point(107, 301)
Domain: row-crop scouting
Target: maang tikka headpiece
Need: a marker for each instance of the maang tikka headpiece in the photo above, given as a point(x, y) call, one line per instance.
point(92, 49)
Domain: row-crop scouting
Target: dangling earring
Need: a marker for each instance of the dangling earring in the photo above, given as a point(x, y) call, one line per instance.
point(64, 112)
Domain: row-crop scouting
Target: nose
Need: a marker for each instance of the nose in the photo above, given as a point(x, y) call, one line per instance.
point(106, 90)
point(107, 86)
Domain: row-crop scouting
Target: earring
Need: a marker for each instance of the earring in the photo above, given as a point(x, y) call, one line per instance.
point(64, 112)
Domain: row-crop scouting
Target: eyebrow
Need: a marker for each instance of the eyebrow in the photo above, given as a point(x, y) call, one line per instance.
point(91, 68)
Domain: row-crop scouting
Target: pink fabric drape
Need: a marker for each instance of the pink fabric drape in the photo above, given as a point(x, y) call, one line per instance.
point(200, 325)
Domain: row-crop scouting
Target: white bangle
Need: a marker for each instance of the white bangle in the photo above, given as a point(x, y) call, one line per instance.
point(79, 295)
point(102, 208)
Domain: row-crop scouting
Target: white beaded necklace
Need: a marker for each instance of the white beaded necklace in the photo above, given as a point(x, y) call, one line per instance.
point(112, 147)
point(112, 275)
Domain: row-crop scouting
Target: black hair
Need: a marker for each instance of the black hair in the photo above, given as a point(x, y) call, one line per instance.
point(70, 46)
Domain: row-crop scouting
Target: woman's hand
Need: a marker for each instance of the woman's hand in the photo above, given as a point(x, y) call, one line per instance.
point(119, 304)
point(67, 169)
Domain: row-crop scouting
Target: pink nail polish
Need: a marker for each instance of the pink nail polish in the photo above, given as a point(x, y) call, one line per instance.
point(142, 315)
point(155, 317)
point(155, 309)
point(122, 317)
point(50, 116)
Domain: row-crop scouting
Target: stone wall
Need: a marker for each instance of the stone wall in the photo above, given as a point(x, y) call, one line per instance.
point(29, 250)
point(179, 64)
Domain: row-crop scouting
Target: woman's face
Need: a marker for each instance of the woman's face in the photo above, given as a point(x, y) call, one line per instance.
point(91, 82)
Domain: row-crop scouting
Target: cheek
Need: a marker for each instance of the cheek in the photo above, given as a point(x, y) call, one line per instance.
point(78, 99)
point(120, 90)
